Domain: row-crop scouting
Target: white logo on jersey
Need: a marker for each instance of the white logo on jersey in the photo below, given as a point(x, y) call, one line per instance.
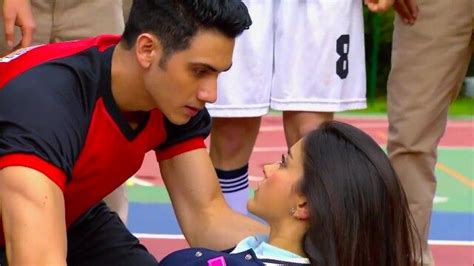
point(17, 53)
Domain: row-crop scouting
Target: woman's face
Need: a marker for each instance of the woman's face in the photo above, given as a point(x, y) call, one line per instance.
point(278, 193)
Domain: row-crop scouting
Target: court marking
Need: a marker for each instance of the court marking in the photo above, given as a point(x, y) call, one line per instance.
point(134, 180)
point(371, 125)
point(455, 174)
point(466, 181)
point(285, 149)
point(382, 135)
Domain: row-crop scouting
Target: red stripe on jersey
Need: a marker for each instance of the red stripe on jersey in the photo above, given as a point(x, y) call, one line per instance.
point(35, 162)
point(27, 58)
point(108, 159)
point(191, 144)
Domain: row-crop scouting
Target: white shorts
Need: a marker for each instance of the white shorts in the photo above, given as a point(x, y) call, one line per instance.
point(305, 55)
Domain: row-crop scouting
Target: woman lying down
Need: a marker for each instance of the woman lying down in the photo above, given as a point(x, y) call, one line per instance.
point(333, 200)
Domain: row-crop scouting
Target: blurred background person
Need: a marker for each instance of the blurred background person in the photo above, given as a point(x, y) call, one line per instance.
point(304, 58)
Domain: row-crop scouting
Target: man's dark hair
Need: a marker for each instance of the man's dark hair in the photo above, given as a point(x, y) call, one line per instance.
point(176, 22)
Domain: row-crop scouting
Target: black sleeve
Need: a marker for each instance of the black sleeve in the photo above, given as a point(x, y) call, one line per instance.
point(199, 125)
point(42, 114)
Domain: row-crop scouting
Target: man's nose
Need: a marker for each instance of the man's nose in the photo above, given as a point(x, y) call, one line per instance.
point(208, 92)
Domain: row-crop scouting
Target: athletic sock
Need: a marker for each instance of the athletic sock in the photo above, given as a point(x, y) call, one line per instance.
point(235, 186)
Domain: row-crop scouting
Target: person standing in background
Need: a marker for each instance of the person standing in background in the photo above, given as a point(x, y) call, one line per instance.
point(304, 58)
point(432, 46)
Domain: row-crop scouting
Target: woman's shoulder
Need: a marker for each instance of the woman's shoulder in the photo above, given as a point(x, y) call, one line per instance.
point(249, 251)
point(202, 256)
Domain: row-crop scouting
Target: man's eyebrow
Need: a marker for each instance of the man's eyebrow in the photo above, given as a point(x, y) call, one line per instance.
point(211, 68)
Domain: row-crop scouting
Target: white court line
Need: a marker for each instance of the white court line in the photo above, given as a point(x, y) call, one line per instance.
point(285, 149)
point(271, 128)
point(135, 180)
point(438, 199)
point(270, 149)
point(450, 243)
point(463, 148)
point(255, 178)
point(370, 125)
point(431, 242)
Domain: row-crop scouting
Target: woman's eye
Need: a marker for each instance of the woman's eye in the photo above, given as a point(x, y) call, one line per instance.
point(283, 161)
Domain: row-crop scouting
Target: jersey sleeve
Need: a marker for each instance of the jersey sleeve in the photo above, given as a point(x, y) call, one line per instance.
point(43, 121)
point(184, 138)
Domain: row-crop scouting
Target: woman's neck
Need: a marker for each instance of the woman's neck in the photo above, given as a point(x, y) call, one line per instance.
point(288, 236)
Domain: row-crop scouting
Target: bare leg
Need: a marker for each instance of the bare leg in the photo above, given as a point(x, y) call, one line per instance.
point(232, 142)
point(297, 123)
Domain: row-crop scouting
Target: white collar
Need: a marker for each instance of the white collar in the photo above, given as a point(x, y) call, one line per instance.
point(263, 250)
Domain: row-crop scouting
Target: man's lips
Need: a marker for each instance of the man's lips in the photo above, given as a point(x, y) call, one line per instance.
point(192, 111)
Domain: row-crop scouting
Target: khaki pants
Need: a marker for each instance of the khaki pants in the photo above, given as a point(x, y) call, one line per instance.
point(429, 62)
point(65, 20)
point(127, 5)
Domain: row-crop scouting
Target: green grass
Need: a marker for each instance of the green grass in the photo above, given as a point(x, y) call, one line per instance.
point(461, 108)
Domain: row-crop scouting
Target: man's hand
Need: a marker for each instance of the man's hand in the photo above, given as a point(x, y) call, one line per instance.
point(379, 5)
point(407, 9)
point(18, 12)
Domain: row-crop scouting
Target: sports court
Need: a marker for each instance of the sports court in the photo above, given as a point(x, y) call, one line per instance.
point(151, 215)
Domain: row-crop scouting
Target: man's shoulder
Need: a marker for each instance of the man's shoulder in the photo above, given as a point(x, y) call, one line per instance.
point(22, 60)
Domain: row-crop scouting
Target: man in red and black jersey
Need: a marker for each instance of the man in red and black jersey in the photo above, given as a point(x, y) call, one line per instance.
point(76, 119)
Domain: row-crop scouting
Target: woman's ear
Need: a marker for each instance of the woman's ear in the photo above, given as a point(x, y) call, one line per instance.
point(301, 212)
point(148, 49)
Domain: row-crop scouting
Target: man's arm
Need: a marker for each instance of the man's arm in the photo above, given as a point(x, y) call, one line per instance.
point(32, 211)
point(18, 12)
point(203, 214)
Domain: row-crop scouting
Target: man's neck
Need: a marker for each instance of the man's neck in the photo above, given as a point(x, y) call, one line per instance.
point(128, 88)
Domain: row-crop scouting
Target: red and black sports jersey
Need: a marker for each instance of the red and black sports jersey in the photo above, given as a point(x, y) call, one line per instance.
point(58, 116)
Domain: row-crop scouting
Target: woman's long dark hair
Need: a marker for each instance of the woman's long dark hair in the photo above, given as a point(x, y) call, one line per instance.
point(358, 210)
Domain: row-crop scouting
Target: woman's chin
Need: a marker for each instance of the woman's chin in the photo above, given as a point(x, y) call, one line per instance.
point(251, 206)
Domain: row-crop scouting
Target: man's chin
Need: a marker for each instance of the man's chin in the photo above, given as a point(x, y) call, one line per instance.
point(178, 120)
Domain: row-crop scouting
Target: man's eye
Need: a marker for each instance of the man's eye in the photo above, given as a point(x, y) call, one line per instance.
point(200, 72)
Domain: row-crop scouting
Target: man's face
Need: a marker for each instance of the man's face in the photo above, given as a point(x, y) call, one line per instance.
point(188, 79)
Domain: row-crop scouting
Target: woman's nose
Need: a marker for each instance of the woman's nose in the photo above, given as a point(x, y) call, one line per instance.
point(268, 169)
